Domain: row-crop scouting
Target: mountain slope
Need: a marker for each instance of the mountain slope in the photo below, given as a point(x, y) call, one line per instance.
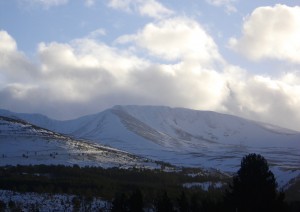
point(24, 143)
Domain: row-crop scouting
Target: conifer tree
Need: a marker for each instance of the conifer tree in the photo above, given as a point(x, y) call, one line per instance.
point(254, 187)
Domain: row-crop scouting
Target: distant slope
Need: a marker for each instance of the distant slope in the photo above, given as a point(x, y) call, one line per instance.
point(185, 137)
point(24, 143)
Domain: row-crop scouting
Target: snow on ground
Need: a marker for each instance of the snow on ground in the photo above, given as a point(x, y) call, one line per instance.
point(29, 201)
point(23, 143)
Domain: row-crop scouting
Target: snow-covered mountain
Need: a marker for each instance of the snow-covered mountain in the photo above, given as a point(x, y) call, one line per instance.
point(183, 137)
point(24, 143)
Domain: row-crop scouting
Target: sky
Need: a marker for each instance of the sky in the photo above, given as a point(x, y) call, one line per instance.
point(68, 58)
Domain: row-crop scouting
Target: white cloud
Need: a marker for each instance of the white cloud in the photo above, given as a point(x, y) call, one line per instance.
point(228, 4)
point(176, 39)
point(154, 9)
point(13, 64)
point(7, 43)
point(150, 8)
point(85, 68)
point(124, 5)
point(271, 32)
point(97, 33)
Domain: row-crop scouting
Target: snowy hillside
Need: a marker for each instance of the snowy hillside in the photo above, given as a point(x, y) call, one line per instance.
point(24, 143)
point(185, 137)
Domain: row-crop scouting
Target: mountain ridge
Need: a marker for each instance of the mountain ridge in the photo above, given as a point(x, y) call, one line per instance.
point(40, 119)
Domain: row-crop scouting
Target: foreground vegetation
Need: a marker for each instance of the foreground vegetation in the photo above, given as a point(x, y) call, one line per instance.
point(109, 183)
point(96, 181)
point(253, 188)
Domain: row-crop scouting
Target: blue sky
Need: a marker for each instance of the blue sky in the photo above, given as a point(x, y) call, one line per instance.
point(67, 58)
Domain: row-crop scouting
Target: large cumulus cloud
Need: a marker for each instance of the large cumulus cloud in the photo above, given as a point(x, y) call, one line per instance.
point(271, 33)
point(177, 38)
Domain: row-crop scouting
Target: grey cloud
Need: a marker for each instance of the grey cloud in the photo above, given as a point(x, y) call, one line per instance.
point(266, 100)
